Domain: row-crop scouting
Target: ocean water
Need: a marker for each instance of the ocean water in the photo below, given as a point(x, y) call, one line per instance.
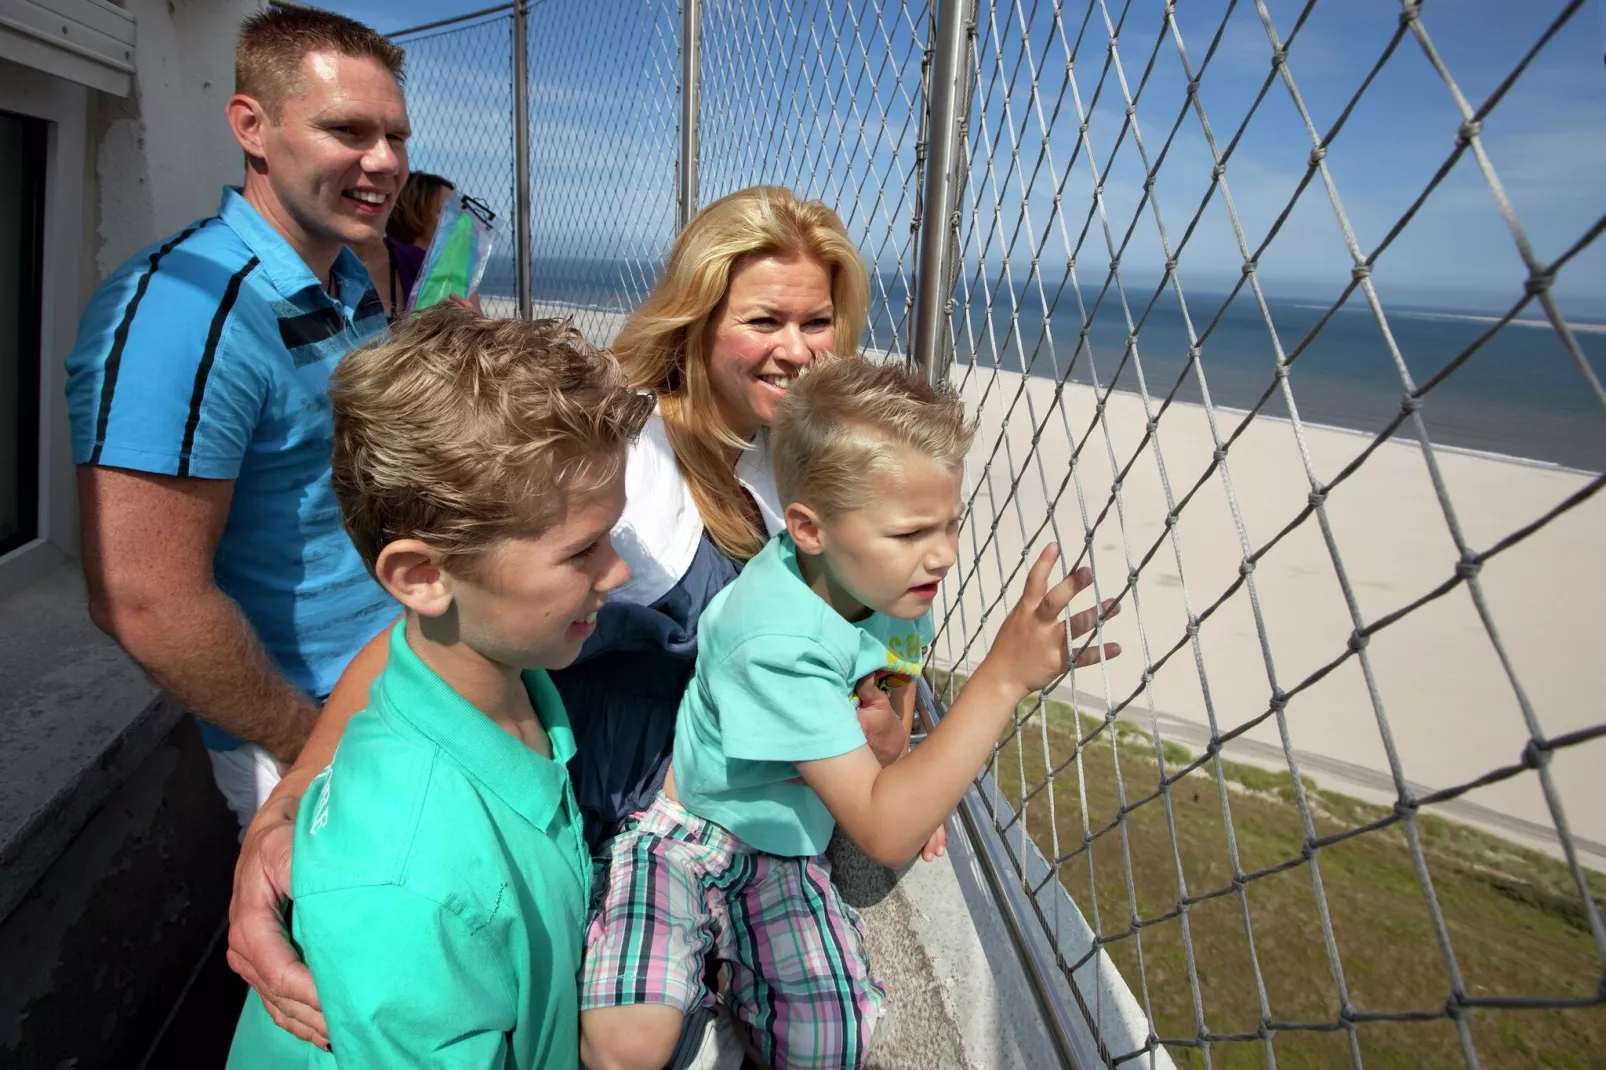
point(1517, 393)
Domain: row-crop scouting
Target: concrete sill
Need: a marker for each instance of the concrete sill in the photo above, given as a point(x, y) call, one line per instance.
point(77, 718)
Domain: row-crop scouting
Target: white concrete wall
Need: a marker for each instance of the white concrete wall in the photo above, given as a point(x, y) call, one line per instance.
point(164, 155)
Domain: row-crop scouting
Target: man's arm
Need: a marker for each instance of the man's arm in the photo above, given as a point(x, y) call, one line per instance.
point(148, 542)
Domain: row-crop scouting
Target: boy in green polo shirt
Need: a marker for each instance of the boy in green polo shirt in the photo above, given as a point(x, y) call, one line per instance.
point(769, 756)
point(440, 879)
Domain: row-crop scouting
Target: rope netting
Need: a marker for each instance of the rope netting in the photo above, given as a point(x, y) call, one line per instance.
point(1247, 296)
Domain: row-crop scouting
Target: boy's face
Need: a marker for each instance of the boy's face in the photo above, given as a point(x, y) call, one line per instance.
point(533, 601)
point(890, 555)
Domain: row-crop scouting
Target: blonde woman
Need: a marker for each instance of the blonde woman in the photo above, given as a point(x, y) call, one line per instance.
point(758, 286)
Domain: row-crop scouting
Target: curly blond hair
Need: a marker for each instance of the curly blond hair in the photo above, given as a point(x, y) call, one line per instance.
point(459, 430)
point(662, 346)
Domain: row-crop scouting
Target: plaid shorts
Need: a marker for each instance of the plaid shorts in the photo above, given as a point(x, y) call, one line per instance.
point(681, 888)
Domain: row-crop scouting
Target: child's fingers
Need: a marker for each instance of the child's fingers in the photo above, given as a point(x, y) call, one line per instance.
point(1059, 596)
point(1084, 622)
point(1090, 656)
point(1037, 578)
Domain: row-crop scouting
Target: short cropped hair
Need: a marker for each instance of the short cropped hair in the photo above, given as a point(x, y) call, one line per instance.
point(272, 45)
point(459, 430)
point(841, 428)
point(415, 206)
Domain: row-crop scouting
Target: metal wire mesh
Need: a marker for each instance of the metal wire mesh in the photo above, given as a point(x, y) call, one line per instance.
point(601, 105)
point(1336, 803)
point(602, 157)
point(460, 101)
point(827, 101)
point(1310, 601)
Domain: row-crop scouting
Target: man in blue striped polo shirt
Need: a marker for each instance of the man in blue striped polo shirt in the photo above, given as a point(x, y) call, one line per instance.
point(201, 426)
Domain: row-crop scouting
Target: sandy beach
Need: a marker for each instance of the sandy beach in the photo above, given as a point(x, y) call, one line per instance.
point(1449, 705)
point(1451, 709)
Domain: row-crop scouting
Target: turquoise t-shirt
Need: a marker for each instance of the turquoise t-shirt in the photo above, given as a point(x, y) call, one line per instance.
point(440, 887)
point(776, 666)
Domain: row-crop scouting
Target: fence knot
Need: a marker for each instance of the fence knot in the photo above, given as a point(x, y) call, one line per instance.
point(1410, 404)
point(1358, 641)
point(1279, 700)
point(1538, 283)
point(1170, 520)
point(1193, 88)
point(1217, 171)
point(1171, 261)
point(1535, 755)
point(1279, 57)
point(1406, 807)
point(1193, 626)
point(1361, 272)
point(1248, 268)
point(1219, 454)
point(1114, 39)
point(1213, 748)
point(1411, 12)
point(1455, 1004)
point(1469, 130)
point(1316, 498)
point(1154, 423)
point(1246, 569)
point(1115, 261)
point(1318, 154)
point(1307, 850)
point(1468, 567)
point(1193, 351)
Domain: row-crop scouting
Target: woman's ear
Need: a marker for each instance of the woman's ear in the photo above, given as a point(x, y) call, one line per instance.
point(803, 524)
point(411, 571)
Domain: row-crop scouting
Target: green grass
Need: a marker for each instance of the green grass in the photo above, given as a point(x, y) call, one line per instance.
point(1514, 916)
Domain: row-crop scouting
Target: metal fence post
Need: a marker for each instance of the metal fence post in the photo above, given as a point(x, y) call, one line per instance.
point(691, 57)
point(521, 151)
point(947, 116)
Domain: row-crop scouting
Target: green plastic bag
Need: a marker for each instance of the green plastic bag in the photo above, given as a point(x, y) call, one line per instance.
point(458, 254)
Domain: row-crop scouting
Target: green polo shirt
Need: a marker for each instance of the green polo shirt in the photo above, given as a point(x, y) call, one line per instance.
point(776, 668)
point(440, 887)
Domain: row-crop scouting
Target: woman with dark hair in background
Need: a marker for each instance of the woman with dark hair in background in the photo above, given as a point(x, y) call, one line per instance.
point(395, 261)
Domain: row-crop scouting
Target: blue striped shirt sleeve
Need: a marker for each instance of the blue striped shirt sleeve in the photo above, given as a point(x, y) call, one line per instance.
point(161, 379)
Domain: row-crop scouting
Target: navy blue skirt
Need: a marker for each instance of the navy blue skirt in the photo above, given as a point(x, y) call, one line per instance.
point(623, 691)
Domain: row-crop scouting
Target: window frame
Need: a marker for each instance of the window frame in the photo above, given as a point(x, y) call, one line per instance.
point(36, 147)
point(64, 106)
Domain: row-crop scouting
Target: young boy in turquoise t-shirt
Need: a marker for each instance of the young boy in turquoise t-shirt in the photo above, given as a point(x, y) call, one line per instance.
point(769, 756)
point(441, 879)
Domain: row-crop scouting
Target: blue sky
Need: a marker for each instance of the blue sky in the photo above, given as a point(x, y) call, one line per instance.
point(828, 106)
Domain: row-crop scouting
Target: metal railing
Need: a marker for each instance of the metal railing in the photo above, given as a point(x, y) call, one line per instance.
point(1338, 796)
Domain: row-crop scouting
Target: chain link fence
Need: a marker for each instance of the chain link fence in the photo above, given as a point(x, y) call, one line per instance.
point(1246, 296)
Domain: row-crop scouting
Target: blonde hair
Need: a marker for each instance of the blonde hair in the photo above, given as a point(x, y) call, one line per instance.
point(662, 345)
point(459, 430)
point(840, 431)
point(272, 45)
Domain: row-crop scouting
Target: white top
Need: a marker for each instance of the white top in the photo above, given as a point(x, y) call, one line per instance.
point(659, 531)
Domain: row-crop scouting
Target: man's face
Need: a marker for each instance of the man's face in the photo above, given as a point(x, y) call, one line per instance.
point(336, 156)
point(533, 601)
point(890, 555)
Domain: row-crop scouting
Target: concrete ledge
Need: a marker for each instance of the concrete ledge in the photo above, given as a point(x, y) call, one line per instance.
point(960, 998)
point(77, 717)
point(98, 951)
